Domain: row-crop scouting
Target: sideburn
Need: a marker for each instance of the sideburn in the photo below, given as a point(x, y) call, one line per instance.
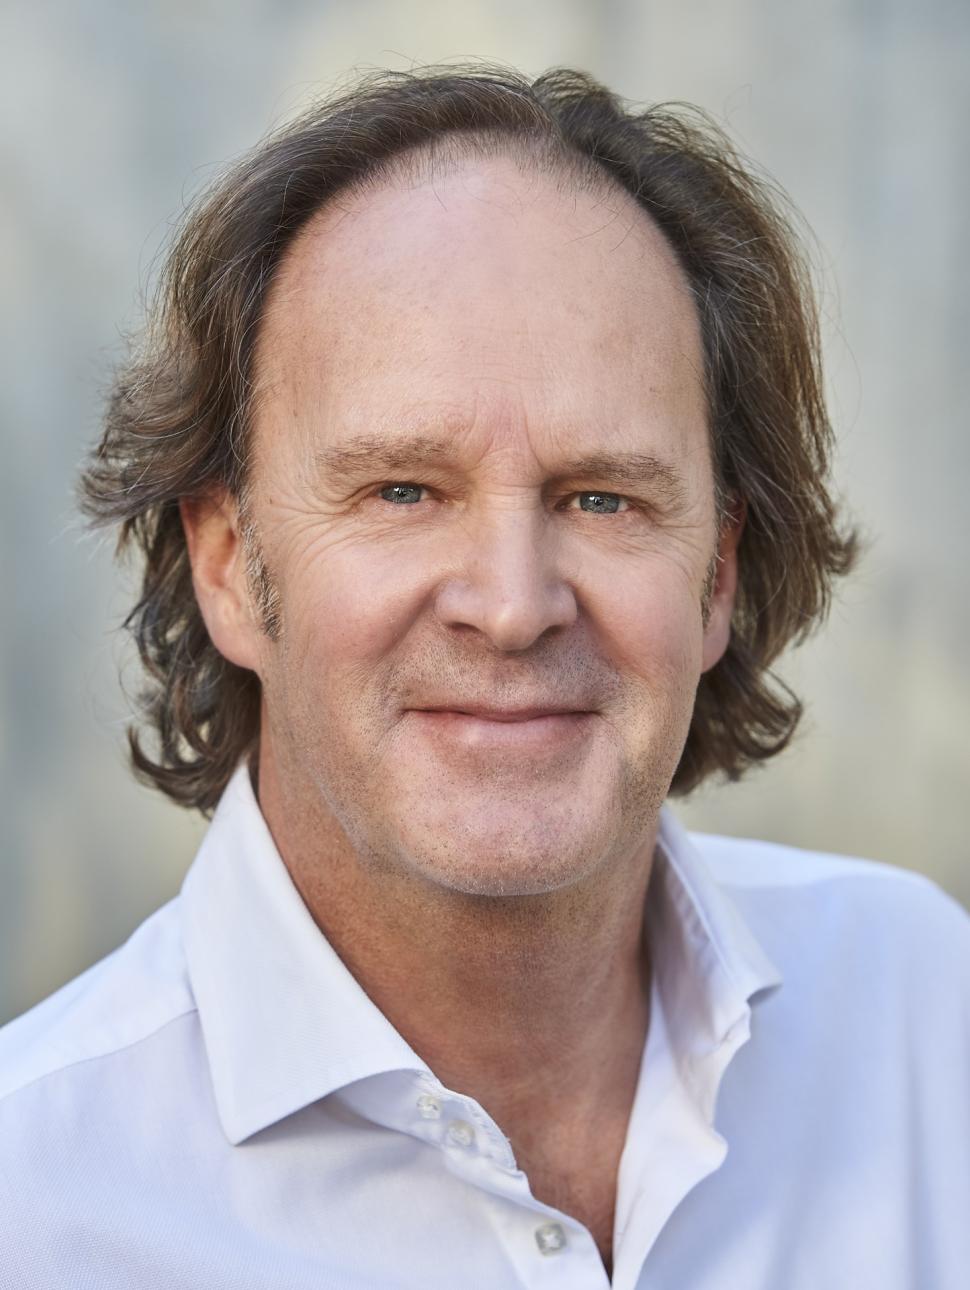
point(262, 587)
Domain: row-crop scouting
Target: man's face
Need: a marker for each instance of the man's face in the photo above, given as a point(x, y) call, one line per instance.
point(482, 487)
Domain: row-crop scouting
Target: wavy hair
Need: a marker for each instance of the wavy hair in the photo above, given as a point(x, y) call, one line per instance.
point(179, 411)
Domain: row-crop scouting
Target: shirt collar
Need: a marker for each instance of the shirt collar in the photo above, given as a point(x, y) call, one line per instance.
point(285, 1023)
point(708, 963)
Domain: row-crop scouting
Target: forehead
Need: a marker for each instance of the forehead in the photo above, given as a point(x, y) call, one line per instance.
point(489, 285)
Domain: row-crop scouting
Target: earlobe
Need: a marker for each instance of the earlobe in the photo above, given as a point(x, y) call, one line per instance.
point(717, 631)
point(213, 535)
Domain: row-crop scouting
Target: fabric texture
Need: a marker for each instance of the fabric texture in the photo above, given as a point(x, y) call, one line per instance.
point(219, 1104)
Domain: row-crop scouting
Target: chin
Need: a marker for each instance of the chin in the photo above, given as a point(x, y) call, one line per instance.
point(486, 877)
point(525, 857)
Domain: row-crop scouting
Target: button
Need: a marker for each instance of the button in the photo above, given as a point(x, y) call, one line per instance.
point(460, 1133)
point(550, 1238)
point(429, 1108)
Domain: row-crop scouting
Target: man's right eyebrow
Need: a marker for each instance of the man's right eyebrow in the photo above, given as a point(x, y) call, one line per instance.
point(378, 452)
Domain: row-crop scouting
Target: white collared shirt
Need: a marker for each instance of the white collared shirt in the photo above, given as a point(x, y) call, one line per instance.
point(219, 1106)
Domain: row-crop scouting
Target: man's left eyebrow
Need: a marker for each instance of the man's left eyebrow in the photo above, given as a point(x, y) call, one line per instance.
point(377, 452)
point(629, 470)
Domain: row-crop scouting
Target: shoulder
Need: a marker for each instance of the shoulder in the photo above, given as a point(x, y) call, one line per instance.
point(749, 865)
point(751, 862)
point(847, 920)
point(118, 1003)
point(98, 1088)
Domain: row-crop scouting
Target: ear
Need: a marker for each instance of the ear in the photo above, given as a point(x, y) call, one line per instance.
point(213, 534)
point(717, 632)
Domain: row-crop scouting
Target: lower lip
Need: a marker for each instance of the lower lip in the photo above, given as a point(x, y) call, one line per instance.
point(482, 732)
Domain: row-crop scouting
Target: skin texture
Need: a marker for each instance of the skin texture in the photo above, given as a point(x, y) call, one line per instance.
point(484, 881)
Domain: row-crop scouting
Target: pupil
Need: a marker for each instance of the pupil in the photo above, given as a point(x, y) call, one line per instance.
point(400, 492)
point(608, 502)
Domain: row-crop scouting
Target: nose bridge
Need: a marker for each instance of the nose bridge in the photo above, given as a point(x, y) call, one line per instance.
point(507, 579)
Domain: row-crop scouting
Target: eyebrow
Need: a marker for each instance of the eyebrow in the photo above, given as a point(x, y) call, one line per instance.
point(382, 454)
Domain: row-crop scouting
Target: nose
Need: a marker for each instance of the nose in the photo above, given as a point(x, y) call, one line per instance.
point(506, 582)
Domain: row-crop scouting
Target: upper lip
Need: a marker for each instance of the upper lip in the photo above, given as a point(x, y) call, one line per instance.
point(504, 714)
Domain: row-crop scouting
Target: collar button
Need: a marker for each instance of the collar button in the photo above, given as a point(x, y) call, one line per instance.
point(550, 1238)
point(460, 1133)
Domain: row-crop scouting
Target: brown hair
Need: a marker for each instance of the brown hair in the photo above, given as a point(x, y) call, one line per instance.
point(178, 415)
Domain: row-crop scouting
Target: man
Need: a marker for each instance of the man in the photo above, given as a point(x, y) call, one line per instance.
point(478, 459)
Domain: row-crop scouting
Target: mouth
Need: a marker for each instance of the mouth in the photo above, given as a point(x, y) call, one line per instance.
point(506, 714)
point(531, 729)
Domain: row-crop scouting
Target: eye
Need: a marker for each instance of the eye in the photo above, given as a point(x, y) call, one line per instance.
point(599, 503)
point(401, 494)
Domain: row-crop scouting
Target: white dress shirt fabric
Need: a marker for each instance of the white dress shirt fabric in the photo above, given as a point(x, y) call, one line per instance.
point(219, 1106)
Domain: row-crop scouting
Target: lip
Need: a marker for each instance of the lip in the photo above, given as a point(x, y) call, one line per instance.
point(532, 730)
point(507, 714)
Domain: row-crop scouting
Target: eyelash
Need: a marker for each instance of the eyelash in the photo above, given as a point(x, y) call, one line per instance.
point(585, 492)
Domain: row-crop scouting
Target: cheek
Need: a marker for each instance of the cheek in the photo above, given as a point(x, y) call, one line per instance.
point(344, 611)
point(654, 624)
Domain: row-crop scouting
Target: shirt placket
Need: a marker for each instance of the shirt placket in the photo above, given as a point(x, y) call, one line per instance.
point(544, 1246)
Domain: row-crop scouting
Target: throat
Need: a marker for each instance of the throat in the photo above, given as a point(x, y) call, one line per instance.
point(589, 1195)
point(569, 1143)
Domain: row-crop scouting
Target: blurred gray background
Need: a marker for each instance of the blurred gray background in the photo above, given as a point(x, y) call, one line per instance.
point(114, 114)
